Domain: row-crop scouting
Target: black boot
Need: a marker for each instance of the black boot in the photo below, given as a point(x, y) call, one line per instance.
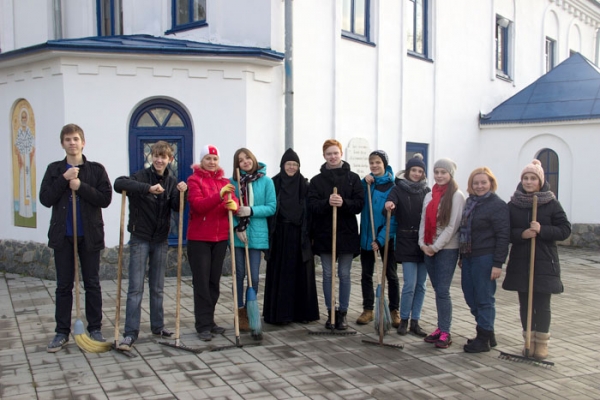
point(480, 344)
point(416, 329)
point(492, 335)
point(403, 328)
point(340, 320)
point(328, 322)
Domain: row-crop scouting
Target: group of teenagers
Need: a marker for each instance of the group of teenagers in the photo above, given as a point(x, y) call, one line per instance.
point(288, 220)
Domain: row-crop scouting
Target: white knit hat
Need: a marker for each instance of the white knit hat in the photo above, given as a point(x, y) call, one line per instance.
point(208, 149)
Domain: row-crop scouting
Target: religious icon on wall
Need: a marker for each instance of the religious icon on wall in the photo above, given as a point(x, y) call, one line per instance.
point(23, 139)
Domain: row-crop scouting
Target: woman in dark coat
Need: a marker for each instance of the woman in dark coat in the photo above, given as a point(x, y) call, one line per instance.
point(551, 225)
point(349, 201)
point(406, 199)
point(484, 236)
point(290, 288)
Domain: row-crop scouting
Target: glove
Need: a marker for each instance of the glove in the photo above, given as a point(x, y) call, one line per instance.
point(231, 205)
point(229, 188)
point(242, 236)
point(244, 211)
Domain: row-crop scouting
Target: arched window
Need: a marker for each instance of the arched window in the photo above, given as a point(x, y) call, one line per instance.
point(549, 160)
point(156, 120)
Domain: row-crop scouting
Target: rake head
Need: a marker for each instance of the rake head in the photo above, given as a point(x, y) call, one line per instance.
point(374, 343)
point(332, 332)
point(183, 347)
point(525, 360)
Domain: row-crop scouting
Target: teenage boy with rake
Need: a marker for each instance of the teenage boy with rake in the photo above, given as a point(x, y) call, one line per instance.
point(93, 192)
point(153, 192)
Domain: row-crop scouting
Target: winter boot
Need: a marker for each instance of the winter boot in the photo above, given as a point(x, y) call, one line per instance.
point(365, 317)
point(532, 343)
point(243, 320)
point(341, 324)
point(493, 342)
point(395, 318)
point(541, 345)
point(416, 329)
point(328, 322)
point(403, 327)
point(480, 344)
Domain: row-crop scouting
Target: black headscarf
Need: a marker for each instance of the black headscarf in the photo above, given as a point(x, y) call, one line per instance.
point(291, 190)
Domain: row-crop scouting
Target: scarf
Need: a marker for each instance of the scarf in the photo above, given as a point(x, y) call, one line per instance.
point(467, 221)
point(431, 212)
point(412, 187)
point(522, 199)
point(291, 192)
point(244, 197)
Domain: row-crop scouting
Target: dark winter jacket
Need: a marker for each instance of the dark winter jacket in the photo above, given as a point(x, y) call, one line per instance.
point(408, 218)
point(554, 226)
point(149, 214)
point(349, 187)
point(94, 194)
point(209, 218)
point(490, 230)
point(380, 189)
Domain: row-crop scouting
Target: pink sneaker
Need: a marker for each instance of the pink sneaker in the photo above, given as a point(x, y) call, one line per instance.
point(444, 341)
point(433, 337)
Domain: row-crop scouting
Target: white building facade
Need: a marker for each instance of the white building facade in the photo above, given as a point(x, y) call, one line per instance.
point(404, 76)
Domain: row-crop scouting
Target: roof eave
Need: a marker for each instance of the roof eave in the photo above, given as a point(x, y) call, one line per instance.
point(546, 122)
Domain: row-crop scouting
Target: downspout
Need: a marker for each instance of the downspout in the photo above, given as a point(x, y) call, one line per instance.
point(289, 75)
point(57, 19)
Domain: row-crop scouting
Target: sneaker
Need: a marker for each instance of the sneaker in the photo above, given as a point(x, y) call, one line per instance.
point(59, 341)
point(97, 336)
point(126, 344)
point(444, 341)
point(205, 336)
point(217, 330)
point(165, 333)
point(434, 336)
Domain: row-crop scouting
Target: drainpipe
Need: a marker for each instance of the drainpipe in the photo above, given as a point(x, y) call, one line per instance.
point(57, 19)
point(289, 75)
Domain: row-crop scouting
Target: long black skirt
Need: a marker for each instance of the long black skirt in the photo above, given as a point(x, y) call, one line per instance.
point(290, 288)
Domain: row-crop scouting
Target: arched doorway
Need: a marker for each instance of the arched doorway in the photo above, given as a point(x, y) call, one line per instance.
point(162, 119)
point(549, 160)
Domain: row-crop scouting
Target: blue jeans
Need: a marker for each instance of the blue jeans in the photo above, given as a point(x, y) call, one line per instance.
point(240, 271)
point(441, 268)
point(344, 262)
point(142, 252)
point(479, 289)
point(413, 290)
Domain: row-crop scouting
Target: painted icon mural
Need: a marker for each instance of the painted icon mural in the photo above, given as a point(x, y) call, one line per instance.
point(23, 138)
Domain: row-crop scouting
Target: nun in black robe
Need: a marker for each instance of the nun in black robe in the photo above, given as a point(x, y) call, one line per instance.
point(290, 287)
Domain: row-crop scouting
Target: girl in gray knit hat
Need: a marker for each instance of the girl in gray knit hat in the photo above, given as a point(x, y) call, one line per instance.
point(438, 238)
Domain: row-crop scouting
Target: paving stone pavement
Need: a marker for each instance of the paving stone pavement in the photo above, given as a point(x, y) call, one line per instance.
point(290, 363)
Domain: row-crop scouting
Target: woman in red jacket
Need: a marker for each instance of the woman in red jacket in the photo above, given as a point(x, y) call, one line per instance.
point(208, 230)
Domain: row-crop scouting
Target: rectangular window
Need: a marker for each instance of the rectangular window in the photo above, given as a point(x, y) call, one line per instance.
point(502, 47)
point(109, 17)
point(355, 19)
point(188, 13)
point(416, 23)
point(550, 51)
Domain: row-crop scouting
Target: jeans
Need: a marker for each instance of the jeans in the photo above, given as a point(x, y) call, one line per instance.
point(479, 289)
point(441, 268)
point(540, 320)
point(65, 275)
point(413, 290)
point(344, 262)
point(240, 271)
point(140, 253)
point(206, 263)
point(367, 261)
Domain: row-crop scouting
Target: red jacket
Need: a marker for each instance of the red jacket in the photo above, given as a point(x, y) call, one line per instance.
point(209, 218)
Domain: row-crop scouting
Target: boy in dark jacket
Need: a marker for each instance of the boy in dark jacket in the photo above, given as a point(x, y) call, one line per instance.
point(349, 201)
point(90, 184)
point(153, 192)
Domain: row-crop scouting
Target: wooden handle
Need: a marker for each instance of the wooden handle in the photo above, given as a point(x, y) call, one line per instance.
point(531, 273)
point(75, 252)
point(120, 265)
point(179, 257)
point(333, 260)
point(236, 322)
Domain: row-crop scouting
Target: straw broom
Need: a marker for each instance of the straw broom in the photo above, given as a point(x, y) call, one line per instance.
point(84, 342)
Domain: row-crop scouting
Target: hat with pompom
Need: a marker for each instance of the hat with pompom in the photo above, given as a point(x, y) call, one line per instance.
point(415, 161)
point(535, 167)
point(209, 149)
